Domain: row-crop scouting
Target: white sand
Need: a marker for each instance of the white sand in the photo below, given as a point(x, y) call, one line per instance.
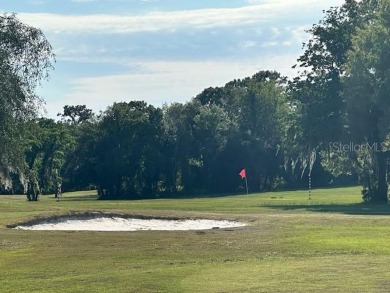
point(122, 224)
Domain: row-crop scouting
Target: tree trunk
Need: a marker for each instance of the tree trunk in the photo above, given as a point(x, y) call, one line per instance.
point(380, 195)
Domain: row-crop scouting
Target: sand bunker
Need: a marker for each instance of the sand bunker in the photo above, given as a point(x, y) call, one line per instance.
point(105, 223)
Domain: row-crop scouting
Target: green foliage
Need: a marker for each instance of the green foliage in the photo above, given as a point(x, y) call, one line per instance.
point(120, 152)
point(317, 91)
point(25, 59)
point(212, 130)
point(135, 150)
point(341, 95)
point(366, 88)
point(257, 107)
point(76, 114)
point(46, 145)
point(80, 164)
point(179, 147)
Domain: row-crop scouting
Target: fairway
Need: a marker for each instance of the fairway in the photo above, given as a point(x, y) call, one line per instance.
point(332, 243)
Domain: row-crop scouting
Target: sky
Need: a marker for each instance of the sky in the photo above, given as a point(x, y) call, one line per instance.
point(162, 51)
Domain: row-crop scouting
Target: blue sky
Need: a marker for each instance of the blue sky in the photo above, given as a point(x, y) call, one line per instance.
point(162, 51)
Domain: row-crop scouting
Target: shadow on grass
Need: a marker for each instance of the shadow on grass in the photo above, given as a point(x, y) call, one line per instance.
point(349, 209)
point(178, 196)
point(79, 198)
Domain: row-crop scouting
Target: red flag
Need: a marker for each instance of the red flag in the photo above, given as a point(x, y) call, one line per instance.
point(242, 174)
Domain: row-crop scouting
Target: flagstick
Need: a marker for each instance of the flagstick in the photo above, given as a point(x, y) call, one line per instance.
point(246, 184)
point(309, 186)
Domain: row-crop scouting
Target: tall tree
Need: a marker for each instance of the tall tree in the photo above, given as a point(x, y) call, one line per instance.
point(79, 170)
point(75, 114)
point(256, 106)
point(46, 144)
point(317, 93)
point(213, 129)
point(25, 59)
point(260, 108)
point(179, 146)
point(366, 91)
point(128, 151)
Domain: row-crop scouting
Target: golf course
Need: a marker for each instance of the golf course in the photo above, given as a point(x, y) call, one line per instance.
point(331, 243)
point(194, 146)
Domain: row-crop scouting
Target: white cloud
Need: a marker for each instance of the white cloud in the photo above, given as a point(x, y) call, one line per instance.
point(270, 44)
point(154, 21)
point(172, 20)
point(248, 44)
point(163, 82)
point(83, 1)
point(297, 2)
point(37, 2)
point(270, 32)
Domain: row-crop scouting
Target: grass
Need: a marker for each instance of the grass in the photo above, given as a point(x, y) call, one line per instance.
point(332, 243)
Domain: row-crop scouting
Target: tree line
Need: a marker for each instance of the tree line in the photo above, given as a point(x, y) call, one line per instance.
point(330, 122)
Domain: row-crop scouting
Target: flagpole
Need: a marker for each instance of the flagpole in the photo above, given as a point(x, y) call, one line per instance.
point(243, 175)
